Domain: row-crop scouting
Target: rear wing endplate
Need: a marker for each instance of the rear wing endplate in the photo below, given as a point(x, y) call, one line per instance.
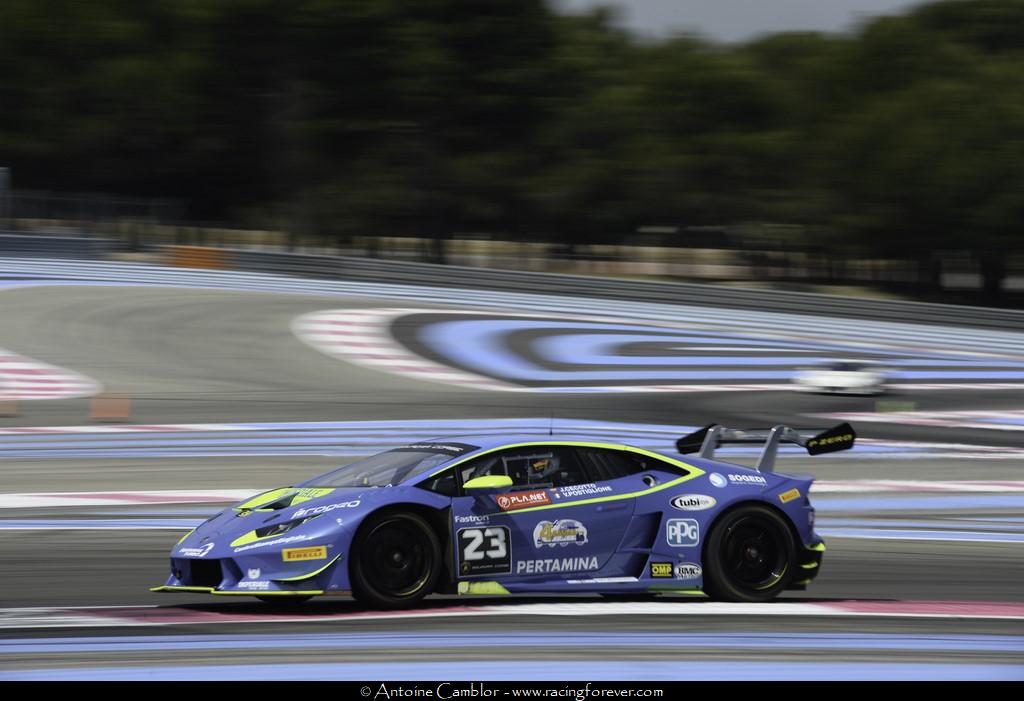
point(706, 440)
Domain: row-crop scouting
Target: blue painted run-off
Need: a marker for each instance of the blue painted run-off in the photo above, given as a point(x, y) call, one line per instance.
point(532, 639)
point(541, 670)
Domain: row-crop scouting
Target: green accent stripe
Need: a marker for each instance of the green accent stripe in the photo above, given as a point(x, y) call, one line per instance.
point(820, 547)
point(307, 576)
point(166, 588)
point(613, 497)
point(809, 565)
point(185, 536)
point(686, 592)
point(485, 588)
point(693, 472)
point(488, 482)
point(311, 592)
point(774, 581)
point(264, 498)
point(579, 444)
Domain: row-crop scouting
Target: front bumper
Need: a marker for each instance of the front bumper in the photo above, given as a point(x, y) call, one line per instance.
point(809, 565)
point(225, 576)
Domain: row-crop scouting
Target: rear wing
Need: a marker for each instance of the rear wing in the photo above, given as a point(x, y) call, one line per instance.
point(706, 440)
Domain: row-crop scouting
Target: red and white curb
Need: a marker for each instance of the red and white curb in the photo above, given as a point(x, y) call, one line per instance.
point(25, 378)
point(31, 500)
point(363, 337)
point(136, 616)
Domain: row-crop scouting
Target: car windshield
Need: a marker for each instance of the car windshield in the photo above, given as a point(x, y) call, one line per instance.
point(847, 367)
point(388, 469)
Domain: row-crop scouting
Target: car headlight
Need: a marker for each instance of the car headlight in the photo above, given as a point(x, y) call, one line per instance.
point(279, 528)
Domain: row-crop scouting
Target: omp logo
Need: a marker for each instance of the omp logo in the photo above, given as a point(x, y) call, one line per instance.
point(693, 502)
point(296, 554)
point(661, 569)
point(682, 532)
point(316, 510)
point(789, 496)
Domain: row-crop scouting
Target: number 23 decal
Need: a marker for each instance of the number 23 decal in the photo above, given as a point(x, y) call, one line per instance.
point(484, 550)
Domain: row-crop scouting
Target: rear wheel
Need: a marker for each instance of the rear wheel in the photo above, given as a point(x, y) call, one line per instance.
point(396, 561)
point(750, 555)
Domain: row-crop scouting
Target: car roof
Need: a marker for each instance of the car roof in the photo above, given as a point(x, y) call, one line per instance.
point(491, 441)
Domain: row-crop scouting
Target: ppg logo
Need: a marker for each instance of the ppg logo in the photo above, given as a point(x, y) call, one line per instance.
point(682, 532)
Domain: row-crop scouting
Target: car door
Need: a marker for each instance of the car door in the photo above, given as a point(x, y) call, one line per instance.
point(554, 523)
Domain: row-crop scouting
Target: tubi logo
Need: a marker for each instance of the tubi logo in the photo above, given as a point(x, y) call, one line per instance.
point(693, 502)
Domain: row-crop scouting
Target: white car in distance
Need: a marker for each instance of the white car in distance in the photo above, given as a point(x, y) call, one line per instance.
point(841, 377)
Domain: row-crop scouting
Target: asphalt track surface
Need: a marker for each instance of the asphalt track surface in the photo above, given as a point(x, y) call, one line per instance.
point(192, 356)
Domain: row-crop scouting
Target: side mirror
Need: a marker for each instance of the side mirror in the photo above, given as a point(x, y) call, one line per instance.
point(488, 483)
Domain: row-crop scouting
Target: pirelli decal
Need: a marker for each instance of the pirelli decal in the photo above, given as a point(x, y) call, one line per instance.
point(304, 554)
point(789, 496)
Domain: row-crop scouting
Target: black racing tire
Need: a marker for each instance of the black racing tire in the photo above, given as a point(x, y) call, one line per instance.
point(395, 562)
point(750, 555)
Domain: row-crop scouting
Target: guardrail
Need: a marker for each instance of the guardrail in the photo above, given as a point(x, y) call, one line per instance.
point(55, 246)
point(375, 270)
point(432, 275)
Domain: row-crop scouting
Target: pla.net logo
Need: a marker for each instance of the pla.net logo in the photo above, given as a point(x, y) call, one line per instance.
point(522, 500)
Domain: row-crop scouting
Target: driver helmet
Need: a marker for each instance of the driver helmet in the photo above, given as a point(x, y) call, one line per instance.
point(542, 467)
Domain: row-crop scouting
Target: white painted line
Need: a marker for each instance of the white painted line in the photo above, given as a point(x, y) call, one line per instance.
point(118, 498)
point(80, 617)
point(143, 497)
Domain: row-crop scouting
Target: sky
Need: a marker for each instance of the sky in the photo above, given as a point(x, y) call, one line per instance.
point(740, 20)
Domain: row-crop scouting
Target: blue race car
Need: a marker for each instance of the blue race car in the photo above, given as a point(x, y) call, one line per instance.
point(518, 514)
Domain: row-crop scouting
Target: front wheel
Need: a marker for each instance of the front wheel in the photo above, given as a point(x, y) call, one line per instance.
point(750, 555)
point(396, 561)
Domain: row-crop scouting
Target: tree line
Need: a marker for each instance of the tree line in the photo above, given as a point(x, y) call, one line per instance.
point(332, 118)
